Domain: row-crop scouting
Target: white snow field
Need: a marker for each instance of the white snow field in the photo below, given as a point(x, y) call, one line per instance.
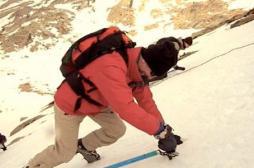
point(210, 104)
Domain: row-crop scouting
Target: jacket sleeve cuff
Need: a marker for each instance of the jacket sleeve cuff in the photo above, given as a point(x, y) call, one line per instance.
point(160, 129)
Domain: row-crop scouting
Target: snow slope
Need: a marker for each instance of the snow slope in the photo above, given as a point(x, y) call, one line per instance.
point(210, 105)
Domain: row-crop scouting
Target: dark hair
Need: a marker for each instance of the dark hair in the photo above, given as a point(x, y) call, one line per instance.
point(160, 57)
point(2, 139)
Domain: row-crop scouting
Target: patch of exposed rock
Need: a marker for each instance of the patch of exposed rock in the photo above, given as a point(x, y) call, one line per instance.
point(199, 15)
point(32, 23)
point(27, 87)
point(122, 13)
point(235, 21)
point(25, 124)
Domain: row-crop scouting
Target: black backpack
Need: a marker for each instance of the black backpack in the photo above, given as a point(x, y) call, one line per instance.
point(87, 49)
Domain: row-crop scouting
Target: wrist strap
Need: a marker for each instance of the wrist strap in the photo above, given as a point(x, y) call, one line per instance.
point(166, 130)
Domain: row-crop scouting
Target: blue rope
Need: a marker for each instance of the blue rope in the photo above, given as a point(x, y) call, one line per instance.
point(134, 159)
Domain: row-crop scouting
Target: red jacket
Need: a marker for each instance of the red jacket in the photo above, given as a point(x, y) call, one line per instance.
point(111, 77)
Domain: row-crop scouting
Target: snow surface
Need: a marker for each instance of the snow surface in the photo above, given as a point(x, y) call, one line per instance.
point(210, 104)
point(246, 4)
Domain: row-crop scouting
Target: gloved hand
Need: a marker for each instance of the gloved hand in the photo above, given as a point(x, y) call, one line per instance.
point(167, 141)
point(178, 139)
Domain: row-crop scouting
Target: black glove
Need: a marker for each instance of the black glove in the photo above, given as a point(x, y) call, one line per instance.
point(178, 139)
point(167, 141)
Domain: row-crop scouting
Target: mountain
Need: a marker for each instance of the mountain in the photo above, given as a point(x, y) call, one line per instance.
point(210, 104)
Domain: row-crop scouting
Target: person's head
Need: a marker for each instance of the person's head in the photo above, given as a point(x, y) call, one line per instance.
point(144, 69)
point(182, 43)
point(2, 139)
point(186, 42)
point(157, 59)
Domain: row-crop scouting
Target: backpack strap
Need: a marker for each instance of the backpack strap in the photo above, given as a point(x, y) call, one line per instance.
point(75, 82)
point(97, 33)
point(101, 48)
point(136, 84)
point(75, 46)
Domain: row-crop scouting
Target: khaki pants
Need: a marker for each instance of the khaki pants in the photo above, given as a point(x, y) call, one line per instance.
point(66, 130)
